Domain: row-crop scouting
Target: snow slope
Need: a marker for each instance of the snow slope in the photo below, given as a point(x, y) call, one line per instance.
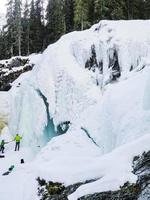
point(109, 120)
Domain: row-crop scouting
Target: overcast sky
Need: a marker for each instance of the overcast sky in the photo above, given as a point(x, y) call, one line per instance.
point(3, 5)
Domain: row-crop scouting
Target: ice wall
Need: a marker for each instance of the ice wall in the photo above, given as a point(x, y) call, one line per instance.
point(68, 84)
point(4, 110)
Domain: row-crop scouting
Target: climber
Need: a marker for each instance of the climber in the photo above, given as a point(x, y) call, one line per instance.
point(2, 146)
point(17, 139)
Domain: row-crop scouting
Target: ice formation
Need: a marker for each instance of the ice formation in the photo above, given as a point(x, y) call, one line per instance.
point(60, 89)
point(4, 110)
point(93, 85)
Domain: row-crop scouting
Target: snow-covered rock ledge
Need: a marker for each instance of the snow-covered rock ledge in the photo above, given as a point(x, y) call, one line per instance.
point(94, 85)
point(12, 68)
point(135, 191)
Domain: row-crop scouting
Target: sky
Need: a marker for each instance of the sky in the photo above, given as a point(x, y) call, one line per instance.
point(3, 5)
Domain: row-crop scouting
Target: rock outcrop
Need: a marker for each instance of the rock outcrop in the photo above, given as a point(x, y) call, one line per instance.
point(11, 69)
point(137, 191)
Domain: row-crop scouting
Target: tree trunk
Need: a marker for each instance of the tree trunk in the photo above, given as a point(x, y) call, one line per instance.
point(11, 50)
point(19, 44)
point(82, 23)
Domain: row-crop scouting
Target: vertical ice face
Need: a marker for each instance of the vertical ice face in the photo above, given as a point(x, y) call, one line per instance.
point(29, 115)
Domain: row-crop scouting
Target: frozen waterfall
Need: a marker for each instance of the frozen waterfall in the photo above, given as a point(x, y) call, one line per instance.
point(78, 82)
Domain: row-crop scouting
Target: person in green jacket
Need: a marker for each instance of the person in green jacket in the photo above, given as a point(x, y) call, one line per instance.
point(2, 146)
point(17, 139)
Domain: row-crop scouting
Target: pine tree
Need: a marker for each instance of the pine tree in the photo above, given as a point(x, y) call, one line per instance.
point(81, 14)
point(69, 15)
point(134, 9)
point(114, 9)
point(91, 12)
point(55, 26)
point(146, 9)
point(138, 10)
point(32, 24)
point(10, 28)
point(4, 46)
point(26, 30)
point(36, 26)
point(100, 10)
point(39, 31)
point(17, 26)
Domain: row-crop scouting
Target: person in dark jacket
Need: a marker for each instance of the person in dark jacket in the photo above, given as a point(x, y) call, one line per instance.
point(2, 146)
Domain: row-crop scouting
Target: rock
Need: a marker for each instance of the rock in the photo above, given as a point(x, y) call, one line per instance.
point(63, 127)
point(56, 191)
point(127, 192)
point(92, 65)
point(141, 167)
point(137, 191)
point(11, 70)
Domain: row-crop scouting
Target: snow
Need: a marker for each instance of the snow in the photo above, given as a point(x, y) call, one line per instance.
point(17, 181)
point(110, 178)
point(8, 61)
point(110, 121)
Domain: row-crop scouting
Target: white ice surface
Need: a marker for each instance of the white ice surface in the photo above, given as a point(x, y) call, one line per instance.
point(4, 106)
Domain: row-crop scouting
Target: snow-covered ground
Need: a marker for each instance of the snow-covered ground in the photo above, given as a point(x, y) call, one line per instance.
point(109, 121)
